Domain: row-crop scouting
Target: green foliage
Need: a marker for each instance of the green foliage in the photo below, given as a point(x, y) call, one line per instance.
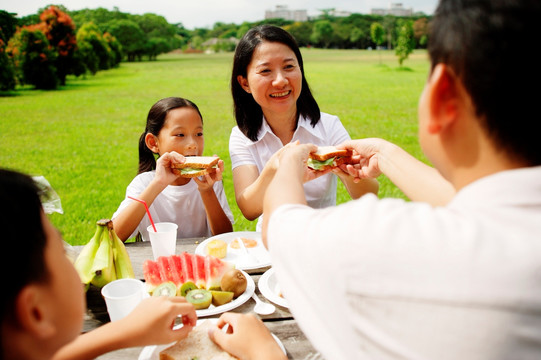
point(377, 33)
point(93, 49)
point(7, 73)
point(33, 58)
point(130, 36)
point(322, 33)
point(405, 41)
point(88, 130)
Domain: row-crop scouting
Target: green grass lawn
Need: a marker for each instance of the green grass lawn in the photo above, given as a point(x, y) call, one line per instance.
point(83, 138)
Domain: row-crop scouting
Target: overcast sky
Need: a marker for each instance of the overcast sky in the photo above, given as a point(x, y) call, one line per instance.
point(204, 13)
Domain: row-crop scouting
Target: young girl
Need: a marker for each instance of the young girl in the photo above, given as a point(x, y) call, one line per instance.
point(199, 207)
point(43, 303)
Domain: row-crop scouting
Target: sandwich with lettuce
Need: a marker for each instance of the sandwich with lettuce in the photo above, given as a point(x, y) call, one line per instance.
point(197, 166)
point(328, 157)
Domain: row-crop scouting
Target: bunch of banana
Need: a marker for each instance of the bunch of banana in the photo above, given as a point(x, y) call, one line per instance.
point(104, 258)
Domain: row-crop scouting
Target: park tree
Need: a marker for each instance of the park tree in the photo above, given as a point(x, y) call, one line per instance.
point(33, 58)
point(130, 36)
point(93, 49)
point(322, 33)
point(59, 29)
point(116, 49)
point(301, 31)
point(356, 37)
point(405, 41)
point(377, 34)
point(8, 24)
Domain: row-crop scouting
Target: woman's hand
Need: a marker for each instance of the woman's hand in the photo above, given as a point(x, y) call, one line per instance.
point(152, 321)
point(246, 338)
point(206, 182)
point(165, 174)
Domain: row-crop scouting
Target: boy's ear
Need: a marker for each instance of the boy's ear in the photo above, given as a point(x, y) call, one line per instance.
point(243, 82)
point(32, 314)
point(443, 98)
point(152, 142)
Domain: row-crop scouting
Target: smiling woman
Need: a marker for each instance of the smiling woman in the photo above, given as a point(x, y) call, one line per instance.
point(275, 107)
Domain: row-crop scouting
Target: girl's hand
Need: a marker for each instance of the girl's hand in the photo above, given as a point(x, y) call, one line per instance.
point(207, 181)
point(152, 321)
point(246, 338)
point(164, 173)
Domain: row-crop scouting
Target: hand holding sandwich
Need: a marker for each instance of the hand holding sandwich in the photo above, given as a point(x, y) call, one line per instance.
point(419, 181)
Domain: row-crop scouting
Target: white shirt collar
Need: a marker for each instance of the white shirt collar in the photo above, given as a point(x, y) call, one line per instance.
point(517, 187)
point(303, 125)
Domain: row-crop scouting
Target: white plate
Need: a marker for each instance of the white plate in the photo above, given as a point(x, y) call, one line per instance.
point(268, 285)
point(247, 294)
point(262, 256)
point(153, 352)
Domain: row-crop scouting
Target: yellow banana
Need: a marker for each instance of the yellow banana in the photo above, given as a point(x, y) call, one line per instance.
point(83, 263)
point(123, 266)
point(103, 266)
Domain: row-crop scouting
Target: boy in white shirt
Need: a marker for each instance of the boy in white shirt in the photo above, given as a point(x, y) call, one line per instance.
point(389, 279)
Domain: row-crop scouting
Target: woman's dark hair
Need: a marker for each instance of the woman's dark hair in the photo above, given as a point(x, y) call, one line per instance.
point(481, 41)
point(24, 238)
point(248, 113)
point(155, 121)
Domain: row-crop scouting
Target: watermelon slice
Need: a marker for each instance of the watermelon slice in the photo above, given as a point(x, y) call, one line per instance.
point(214, 271)
point(176, 270)
point(205, 271)
point(165, 269)
point(151, 273)
point(186, 265)
point(199, 274)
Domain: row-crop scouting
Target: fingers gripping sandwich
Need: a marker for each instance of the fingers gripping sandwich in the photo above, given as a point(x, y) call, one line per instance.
point(328, 157)
point(197, 166)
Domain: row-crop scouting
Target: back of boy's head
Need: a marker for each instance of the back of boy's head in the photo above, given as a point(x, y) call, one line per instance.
point(23, 240)
point(488, 43)
point(155, 121)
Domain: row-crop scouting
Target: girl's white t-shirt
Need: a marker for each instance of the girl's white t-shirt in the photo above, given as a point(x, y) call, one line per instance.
point(181, 205)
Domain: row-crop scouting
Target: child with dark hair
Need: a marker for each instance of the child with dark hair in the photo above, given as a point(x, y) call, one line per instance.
point(43, 300)
point(199, 207)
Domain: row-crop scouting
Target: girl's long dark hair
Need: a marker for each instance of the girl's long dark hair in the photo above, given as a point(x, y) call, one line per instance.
point(248, 113)
point(155, 121)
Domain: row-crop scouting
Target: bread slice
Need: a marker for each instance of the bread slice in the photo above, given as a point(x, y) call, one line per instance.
point(197, 345)
point(197, 166)
point(326, 152)
point(328, 157)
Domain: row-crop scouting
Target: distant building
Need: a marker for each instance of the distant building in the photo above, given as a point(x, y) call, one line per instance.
point(395, 9)
point(283, 12)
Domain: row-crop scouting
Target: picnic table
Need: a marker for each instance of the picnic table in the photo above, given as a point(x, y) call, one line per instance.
point(281, 323)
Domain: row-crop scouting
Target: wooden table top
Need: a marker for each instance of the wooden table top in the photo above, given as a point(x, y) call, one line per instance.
point(281, 323)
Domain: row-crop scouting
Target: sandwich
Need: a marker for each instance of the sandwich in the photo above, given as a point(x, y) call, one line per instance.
point(328, 157)
point(197, 166)
point(197, 345)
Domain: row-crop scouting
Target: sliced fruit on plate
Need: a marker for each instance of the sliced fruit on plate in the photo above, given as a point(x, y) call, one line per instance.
point(215, 270)
point(198, 263)
point(187, 268)
point(176, 270)
point(152, 275)
point(167, 288)
point(200, 298)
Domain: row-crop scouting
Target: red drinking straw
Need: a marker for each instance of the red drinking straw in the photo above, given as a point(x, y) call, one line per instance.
point(146, 208)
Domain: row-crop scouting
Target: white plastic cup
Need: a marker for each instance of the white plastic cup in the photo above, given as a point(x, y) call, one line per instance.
point(164, 240)
point(122, 296)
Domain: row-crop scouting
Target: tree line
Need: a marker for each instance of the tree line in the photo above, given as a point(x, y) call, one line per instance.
point(42, 49)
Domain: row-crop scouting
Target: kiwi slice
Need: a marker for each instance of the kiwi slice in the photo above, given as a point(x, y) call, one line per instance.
point(221, 297)
point(187, 287)
point(200, 298)
point(165, 289)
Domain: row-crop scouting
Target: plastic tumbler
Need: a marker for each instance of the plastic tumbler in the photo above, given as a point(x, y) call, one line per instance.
point(164, 240)
point(122, 296)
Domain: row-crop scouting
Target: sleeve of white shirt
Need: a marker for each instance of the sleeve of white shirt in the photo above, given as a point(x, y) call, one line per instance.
point(239, 149)
point(337, 132)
